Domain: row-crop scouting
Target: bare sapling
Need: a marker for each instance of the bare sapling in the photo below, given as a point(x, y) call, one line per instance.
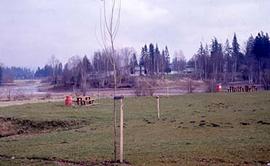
point(109, 27)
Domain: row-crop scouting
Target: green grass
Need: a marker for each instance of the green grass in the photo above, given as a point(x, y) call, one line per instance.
point(175, 139)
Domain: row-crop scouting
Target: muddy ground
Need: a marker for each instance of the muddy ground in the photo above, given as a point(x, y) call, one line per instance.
point(12, 126)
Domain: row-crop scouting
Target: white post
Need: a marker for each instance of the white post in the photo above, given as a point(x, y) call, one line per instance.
point(121, 132)
point(158, 110)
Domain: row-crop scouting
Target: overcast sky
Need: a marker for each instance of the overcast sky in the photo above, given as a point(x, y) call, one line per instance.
point(31, 31)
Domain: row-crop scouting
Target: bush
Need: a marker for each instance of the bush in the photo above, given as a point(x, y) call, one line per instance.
point(144, 87)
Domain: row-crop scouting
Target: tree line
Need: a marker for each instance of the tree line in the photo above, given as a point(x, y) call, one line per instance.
point(154, 62)
point(98, 71)
point(227, 63)
point(8, 74)
point(223, 63)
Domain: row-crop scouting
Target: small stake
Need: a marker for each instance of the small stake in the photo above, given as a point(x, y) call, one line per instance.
point(121, 150)
point(158, 110)
point(121, 132)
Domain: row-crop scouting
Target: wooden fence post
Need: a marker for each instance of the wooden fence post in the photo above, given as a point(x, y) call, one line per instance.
point(121, 132)
point(158, 109)
point(121, 147)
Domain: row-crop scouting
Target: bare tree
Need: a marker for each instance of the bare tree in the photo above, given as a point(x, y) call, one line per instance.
point(54, 63)
point(109, 26)
point(124, 57)
point(1, 73)
point(179, 61)
point(73, 71)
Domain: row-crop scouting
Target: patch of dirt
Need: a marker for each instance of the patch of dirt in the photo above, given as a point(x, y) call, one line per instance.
point(204, 123)
point(215, 125)
point(148, 121)
point(66, 162)
point(217, 105)
point(245, 123)
point(239, 110)
point(263, 123)
point(219, 161)
point(213, 160)
point(12, 126)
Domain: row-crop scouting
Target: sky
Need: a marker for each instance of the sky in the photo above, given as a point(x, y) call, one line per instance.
point(31, 31)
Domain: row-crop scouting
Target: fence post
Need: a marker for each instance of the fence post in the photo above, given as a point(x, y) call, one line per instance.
point(158, 109)
point(121, 147)
point(121, 132)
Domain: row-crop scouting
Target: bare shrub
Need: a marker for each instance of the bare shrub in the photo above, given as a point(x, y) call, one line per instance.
point(266, 80)
point(20, 97)
point(48, 96)
point(211, 84)
point(145, 87)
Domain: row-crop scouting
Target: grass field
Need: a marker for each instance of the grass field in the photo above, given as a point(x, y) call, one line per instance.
point(195, 129)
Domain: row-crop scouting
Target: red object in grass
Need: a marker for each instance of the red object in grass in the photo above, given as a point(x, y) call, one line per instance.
point(218, 88)
point(68, 101)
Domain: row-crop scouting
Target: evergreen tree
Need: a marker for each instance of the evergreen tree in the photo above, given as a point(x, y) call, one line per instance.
point(227, 60)
point(157, 60)
point(167, 60)
point(151, 59)
point(235, 55)
point(87, 66)
point(251, 60)
point(163, 62)
point(200, 62)
point(261, 47)
point(261, 50)
point(133, 63)
point(216, 58)
point(144, 61)
point(207, 62)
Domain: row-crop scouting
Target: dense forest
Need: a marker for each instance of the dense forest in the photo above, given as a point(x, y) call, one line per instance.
point(226, 63)
point(222, 62)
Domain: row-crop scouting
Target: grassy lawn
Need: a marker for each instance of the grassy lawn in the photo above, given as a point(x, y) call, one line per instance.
point(195, 129)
